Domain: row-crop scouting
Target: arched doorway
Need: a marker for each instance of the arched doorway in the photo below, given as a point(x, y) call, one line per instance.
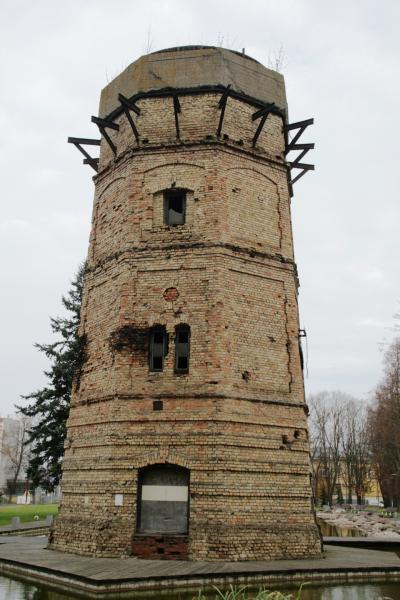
point(163, 500)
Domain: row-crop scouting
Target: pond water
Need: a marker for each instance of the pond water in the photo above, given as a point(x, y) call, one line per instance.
point(11, 589)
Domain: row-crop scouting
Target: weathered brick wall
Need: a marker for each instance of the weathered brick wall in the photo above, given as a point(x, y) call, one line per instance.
point(159, 547)
point(237, 420)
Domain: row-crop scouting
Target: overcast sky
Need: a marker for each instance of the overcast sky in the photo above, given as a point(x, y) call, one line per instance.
point(341, 67)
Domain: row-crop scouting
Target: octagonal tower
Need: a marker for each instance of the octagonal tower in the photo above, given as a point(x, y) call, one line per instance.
point(187, 435)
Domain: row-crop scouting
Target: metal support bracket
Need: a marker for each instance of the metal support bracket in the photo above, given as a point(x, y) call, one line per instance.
point(102, 124)
point(222, 106)
point(78, 143)
point(127, 106)
point(264, 110)
point(263, 113)
point(304, 168)
point(301, 126)
point(177, 109)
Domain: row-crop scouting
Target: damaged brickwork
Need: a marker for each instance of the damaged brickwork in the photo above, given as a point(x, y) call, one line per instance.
point(215, 267)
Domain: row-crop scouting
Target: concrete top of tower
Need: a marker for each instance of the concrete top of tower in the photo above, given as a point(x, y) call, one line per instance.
point(189, 67)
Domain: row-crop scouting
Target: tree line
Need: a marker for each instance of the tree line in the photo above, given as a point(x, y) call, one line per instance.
point(355, 445)
point(340, 454)
point(384, 428)
point(48, 407)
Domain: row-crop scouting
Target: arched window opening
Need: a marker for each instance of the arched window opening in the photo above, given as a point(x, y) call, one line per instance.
point(158, 348)
point(174, 207)
point(163, 499)
point(182, 348)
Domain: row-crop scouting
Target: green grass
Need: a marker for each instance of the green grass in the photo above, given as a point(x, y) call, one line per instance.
point(244, 593)
point(26, 512)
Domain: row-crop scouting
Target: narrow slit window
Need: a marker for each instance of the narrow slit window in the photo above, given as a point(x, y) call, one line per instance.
point(158, 348)
point(182, 349)
point(174, 207)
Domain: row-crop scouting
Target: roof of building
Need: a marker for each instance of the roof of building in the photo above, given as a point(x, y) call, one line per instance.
point(191, 67)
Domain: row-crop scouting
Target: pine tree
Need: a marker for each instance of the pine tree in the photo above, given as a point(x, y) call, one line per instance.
point(49, 406)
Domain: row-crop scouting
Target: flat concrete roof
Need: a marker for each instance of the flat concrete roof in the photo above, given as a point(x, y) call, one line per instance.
point(195, 67)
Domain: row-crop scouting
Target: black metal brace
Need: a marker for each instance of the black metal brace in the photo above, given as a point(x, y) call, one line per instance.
point(222, 105)
point(265, 110)
point(301, 126)
point(177, 109)
point(303, 166)
point(263, 113)
point(293, 145)
point(259, 128)
point(88, 160)
point(102, 124)
point(129, 103)
point(127, 106)
point(305, 147)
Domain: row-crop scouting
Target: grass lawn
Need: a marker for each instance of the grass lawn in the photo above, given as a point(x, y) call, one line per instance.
point(26, 512)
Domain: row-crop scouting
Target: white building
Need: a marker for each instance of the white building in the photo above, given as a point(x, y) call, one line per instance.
point(11, 441)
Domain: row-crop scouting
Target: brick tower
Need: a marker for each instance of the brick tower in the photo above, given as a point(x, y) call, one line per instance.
point(187, 435)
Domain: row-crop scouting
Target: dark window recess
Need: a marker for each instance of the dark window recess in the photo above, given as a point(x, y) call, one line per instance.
point(158, 348)
point(182, 349)
point(174, 207)
point(158, 405)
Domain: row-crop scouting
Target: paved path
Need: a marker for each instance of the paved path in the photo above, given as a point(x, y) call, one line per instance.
point(29, 557)
point(31, 527)
point(386, 543)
